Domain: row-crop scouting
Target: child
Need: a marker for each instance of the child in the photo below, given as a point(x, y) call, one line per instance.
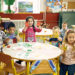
point(63, 30)
point(2, 36)
point(11, 36)
point(30, 30)
point(68, 57)
point(55, 39)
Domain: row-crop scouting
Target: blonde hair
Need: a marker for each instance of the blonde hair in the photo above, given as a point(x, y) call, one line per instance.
point(64, 23)
point(66, 35)
point(56, 27)
point(65, 40)
point(54, 34)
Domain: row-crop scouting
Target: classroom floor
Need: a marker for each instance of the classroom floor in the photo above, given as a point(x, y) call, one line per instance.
point(3, 73)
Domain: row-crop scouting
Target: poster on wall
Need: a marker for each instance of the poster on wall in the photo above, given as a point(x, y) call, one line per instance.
point(56, 6)
point(25, 7)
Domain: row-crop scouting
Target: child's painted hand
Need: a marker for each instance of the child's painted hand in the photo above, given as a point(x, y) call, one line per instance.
point(8, 46)
point(59, 38)
point(38, 23)
point(26, 24)
point(63, 47)
point(6, 40)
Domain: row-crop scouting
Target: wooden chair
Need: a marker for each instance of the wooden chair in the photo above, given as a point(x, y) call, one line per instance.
point(10, 66)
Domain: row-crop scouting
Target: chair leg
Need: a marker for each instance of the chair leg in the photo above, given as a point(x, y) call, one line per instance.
point(22, 74)
point(6, 73)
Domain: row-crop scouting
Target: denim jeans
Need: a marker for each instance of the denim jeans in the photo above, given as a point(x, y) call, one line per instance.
point(64, 68)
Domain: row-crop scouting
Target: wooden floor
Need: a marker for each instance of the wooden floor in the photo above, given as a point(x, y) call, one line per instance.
point(1, 72)
point(23, 63)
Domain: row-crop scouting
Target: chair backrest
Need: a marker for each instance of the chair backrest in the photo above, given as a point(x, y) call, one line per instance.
point(5, 59)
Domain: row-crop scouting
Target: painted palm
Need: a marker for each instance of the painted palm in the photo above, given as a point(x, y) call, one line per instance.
point(9, 3)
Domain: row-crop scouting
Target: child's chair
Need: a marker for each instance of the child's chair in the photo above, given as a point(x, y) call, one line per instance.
point(10, 66)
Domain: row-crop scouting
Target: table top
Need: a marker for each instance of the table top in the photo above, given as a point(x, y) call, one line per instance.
point(43, 32)
point(30, 51)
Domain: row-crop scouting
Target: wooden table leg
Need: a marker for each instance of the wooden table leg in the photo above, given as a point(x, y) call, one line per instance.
point(27, 68)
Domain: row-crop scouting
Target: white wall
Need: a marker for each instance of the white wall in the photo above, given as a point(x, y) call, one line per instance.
point(38, 5)
point(42, 5)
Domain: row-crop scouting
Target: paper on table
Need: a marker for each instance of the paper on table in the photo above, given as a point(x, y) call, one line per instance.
point(24, 44)
point(19, 48)
point(20, 55)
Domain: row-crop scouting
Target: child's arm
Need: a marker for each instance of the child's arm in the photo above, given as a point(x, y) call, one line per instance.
point(63, 48)
point(6, 41)
point(47, 39)
point(18, 38)
point(24, 30)
point(59, 38)
point(38, 29)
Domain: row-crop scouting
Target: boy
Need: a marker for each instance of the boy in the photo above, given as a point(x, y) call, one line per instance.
point(11, 36)
point(63, 30)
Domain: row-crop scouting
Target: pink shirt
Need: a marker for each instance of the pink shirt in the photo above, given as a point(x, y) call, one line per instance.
point(30, 34)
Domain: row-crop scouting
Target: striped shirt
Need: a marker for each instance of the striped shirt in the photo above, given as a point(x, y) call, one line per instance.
point(2, 37)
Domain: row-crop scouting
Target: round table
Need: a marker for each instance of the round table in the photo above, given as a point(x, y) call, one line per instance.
point(30, 51)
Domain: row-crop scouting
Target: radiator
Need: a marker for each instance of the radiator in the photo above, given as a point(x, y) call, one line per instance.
point(19, 23)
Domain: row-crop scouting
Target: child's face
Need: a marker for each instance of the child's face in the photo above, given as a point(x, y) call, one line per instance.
point(74, 37)
point(11, 30)
point(71, 38)
point(30, 22)
point(56, 33)
point(64, 26)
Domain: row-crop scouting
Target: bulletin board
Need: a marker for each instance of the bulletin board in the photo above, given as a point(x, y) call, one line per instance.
point(71, 5)
point(56, 6)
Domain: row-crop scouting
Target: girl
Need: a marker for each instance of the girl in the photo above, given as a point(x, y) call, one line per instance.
point(55, 39)
point(68, 57)
point(30, 30)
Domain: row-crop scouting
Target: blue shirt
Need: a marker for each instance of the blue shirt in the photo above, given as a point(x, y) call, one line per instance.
point(62, 33)
point(55, 41)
